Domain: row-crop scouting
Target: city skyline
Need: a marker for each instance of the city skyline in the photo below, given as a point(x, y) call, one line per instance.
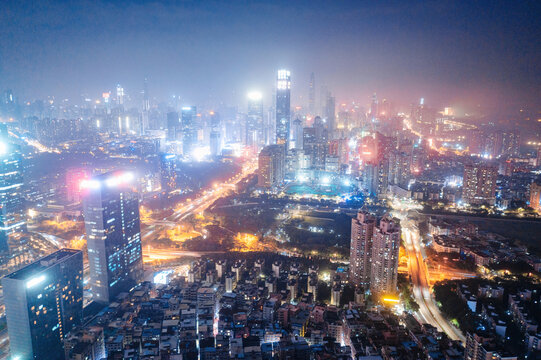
point(400, 50)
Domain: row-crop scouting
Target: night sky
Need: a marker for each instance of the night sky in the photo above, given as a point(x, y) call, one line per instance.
point(210, 51)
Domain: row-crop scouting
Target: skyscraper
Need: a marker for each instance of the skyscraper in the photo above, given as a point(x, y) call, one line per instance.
point(283, 107)
point(44, 301)
point(173, 126)
point(168, 173)
point(254, 135)
point(479, 183)
point(146, 109)
point(330, 113)
point(271, 170)
point(111, 212)
point(189, 129)
point(215, 134)
point(362, 232)
point(12, 208)
point(385, 248)
point(312, 95)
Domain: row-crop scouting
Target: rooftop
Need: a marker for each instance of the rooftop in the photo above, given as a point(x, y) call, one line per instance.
point(42, 264)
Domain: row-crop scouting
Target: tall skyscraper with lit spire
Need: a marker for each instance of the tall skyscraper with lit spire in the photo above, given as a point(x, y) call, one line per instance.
point(283, 107)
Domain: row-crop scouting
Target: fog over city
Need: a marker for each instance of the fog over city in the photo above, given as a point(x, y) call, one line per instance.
point(270, 180)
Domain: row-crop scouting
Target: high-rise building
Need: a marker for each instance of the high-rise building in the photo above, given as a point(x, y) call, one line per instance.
point(74, 177)
point(189, 129)
point(399, 169)
point(146, 109)
point(254, 133)
point(330, 114)
point(119, 95)
point(283, 107)
point(312, 95)
point(360, 259)
point(535, 195)
point(385, 248)
point(296, 134)
point(315, 143)
point(173, 126)
point(271, 169)
point(44, 301)
point(215, 134)
point(374, 108)
point(168, 172)
point(111, 212)
point(12, 207)
point(479, 183)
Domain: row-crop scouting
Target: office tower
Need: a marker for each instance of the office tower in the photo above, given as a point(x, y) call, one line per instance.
point(315, 143)
point(535, 195)
point(215, 134)
point(479, 183)
point(283, 107)
point(385, 247)
point(44, 301)
point(119, 95)
point(168, 172)
point(296, 134)
point(74, 176)
point(254, 136)
point(360, 259)
point(271, 166)
point(111, 212)
point(12, 207)
point(189, 129)
point(330, 114)
point(173, 126)
point(146, 109)
point(312, 95)
point(374, 109)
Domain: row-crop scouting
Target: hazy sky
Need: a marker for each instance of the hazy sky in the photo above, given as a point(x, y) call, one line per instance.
point(211, 51)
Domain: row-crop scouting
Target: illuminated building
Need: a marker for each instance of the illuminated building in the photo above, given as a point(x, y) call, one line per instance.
point(74, 176)
point(399, 169)
point(146, 109)
point(315, 143)
point(330, 113)
point(119, 95)
point(44, 301)
point(535, 196)
point(168, 172)
point(255, 137)
point(12, 209)
point(271, 166)
point(362, 231)
point(312, 95)
point(283, 107)
point(374, 109)
point(296, 134)
point(215, 137)
point(189, 129)
point(111, 212)
point(385, 247)
point(479, 183)
point(173, 126)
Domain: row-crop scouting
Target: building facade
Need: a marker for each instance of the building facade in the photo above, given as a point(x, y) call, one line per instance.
point(44, 301)
point(111, 212)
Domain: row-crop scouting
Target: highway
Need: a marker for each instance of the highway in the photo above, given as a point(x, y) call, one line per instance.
point(417, 268)
point(188, 208)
